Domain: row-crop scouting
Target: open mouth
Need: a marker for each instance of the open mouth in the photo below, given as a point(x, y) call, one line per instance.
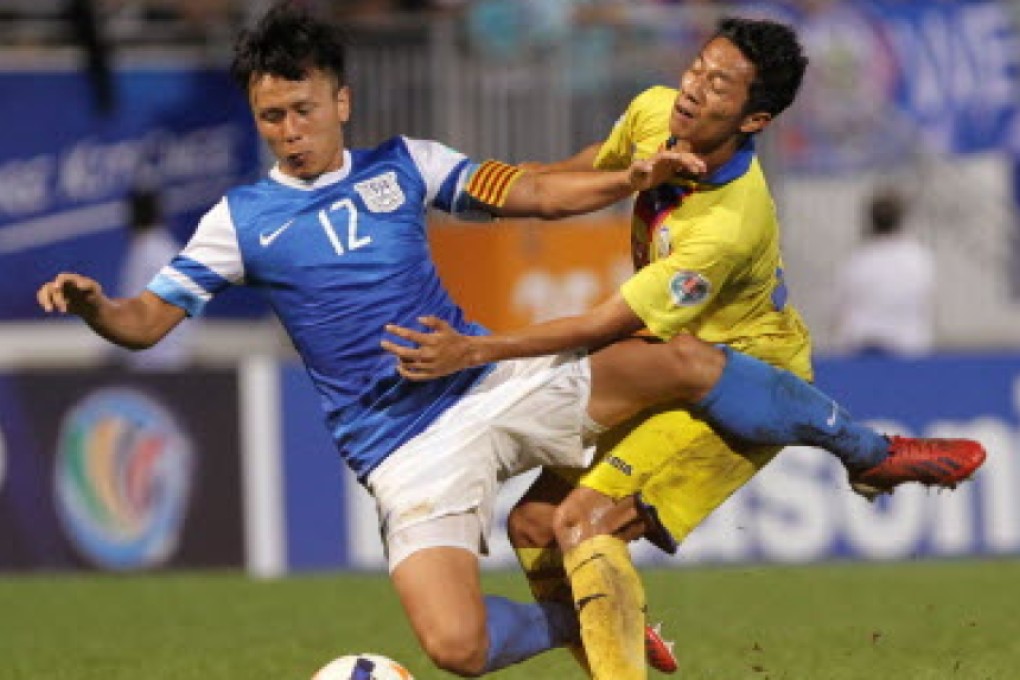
point(683, 112)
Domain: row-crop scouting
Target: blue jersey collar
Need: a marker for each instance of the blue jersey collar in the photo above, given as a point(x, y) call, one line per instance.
point(734, 168)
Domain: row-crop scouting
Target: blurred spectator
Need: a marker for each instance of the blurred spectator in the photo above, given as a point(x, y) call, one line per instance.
point(150, 248)
point(87, 32)
point(885, 289)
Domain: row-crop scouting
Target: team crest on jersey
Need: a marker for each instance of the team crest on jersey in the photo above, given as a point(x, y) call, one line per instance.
point(689, 288)
point(663, 241)
point(382, 193)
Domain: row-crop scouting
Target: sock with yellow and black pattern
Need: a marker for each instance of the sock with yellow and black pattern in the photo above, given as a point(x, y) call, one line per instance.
point(610, 603)
point(543, 567)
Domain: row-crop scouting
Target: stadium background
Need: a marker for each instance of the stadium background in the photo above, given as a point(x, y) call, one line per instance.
point(227, 465)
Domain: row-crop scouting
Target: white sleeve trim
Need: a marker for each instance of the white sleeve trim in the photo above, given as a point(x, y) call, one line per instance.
point(214, 244)
point(435, 162)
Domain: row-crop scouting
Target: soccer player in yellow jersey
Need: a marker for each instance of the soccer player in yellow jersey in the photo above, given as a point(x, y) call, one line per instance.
point(709, 267)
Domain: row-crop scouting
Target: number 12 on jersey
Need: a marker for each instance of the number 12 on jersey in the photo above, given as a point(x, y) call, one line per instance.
point(354, 240)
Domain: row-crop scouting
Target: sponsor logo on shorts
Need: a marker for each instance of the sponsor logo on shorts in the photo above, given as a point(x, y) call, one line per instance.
point(689, 288)
point(620, 465)
point(123, 478)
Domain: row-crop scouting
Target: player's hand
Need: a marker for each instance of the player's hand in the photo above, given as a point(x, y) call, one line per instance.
point(70, 293)
point(648, 173)
point(440, 352)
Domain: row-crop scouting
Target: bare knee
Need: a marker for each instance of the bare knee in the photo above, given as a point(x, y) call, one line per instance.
point(440, 590)
point(696, 365)
point(587, 513)
point(456, 648)
point(530, 526)
point(581, 516)
point(571, 525)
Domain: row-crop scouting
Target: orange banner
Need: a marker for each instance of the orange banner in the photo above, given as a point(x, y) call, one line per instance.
point(515, 272)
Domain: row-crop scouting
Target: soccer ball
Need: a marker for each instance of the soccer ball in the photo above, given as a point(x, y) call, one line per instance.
point(363, 667)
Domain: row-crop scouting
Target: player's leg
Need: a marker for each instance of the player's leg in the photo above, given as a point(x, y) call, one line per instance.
point(607, 590)
point(801, 414)
point(683, 470)
point(530, 530)
point(605, 621)
point(462, 631)
point(758, 403)
point(435, 496)
point(592, 527)
point(745, 397)
point(440, 591)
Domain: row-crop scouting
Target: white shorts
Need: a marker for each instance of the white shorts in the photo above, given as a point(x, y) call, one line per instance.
point(525, 413)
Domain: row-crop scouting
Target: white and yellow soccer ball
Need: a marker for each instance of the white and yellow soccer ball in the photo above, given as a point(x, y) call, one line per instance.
point(363, 667)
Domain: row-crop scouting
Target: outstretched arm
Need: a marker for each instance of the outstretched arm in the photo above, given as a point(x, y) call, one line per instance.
point(512, 192)
point(135, 323)
point(444, 351)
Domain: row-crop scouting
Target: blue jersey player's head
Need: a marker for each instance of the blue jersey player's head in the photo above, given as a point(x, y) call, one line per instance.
point(292, 68)
point(747, 73)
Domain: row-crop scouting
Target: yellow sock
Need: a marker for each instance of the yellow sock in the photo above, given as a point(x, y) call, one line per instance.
point(543, 567)
point(610, 602)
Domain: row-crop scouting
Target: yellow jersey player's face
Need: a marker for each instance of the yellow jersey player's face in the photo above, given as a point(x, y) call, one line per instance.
point(709, 110)
point(301, 120)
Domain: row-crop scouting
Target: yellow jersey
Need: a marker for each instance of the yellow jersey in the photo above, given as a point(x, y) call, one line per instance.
point(707, 252)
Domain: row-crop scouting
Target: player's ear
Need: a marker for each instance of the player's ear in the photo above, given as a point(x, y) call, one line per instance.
point(755, 122)
point(343, 103)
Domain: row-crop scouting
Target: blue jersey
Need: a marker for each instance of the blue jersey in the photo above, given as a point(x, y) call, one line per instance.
point(337, 259)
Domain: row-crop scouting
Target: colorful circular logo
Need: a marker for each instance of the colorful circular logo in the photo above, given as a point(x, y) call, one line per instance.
point(689, 288)
point(123, 479)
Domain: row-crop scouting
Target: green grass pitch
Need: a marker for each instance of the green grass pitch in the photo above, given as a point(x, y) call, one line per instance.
point(910, 621)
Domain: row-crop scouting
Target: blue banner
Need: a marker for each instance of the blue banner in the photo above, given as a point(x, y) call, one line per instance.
point(316, 481)
point(65, 168)
point(890, 80)
point(799, 509)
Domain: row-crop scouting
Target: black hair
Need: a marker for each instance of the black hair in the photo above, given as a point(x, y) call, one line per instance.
point(288, 42)
point(885, 212)
point(144, 209)
point(778, 58)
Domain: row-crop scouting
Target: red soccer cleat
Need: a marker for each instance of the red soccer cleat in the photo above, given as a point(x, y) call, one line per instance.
point(932, 462)
point(659, 652)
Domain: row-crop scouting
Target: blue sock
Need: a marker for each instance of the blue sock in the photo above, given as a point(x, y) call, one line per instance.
point(762, 404)
point(519, 630)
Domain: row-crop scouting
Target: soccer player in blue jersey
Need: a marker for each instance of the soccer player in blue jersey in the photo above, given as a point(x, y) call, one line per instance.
point(335, 238)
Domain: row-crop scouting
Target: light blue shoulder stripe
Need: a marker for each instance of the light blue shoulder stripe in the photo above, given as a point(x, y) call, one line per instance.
point(187, 283)
point(174, 293)
point(204, 277)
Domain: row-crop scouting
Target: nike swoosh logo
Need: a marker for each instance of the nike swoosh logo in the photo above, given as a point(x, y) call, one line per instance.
point(265, 239)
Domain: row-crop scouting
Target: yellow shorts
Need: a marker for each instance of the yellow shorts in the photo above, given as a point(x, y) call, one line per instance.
point(678, 463)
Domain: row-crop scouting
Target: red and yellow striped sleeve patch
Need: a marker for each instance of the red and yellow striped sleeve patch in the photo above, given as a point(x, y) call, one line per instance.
point(490, 184)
